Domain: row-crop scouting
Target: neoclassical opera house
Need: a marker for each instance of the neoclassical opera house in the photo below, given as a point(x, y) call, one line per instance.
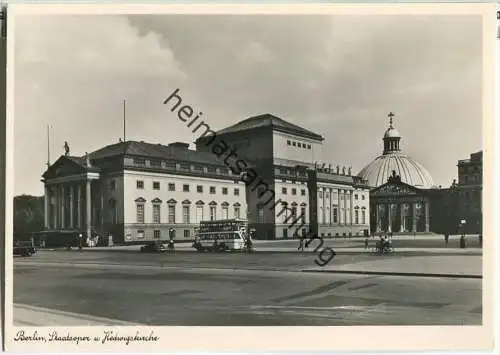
point(399, 195)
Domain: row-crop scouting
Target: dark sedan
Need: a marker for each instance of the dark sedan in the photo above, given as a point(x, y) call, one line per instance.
point(23, 248)
point(153, 248)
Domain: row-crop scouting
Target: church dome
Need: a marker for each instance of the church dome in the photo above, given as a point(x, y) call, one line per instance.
point(379, 170)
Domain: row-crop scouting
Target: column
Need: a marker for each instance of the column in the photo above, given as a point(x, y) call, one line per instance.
point(101, 212)
point(389, 218)
point(402, 217)
point(331, 205)
point(351, 208)
point(323, 191)
point(63, 207)
point(341, 207)
point(414, 215)
point(427, 216)
point(79, 206)
point(46, 207)
point(71, 206)
point(54, 209)
point(377, 218)
point(88, 209)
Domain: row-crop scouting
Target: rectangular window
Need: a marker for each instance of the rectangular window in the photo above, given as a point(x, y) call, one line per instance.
point(362, 197)
point(335, 215)
point(363, 217)
point(140, 234)
point(294, 144)
point(355, 196)
point(185, 214)
point(171, 186)
point(156, 185)
point(140, 212)
point(140, 184)
point(294, 211)
point(288, 142)
point(213, 215)
point(260, 214)
point(171, 214)
point(237, 212)
point(299, 145)
point(155, 163)
point(224, 190)
point(308, 146)
point(285, 233)
point(294, 191)
point(187, 234)
point(185, 188)
point(212, 190)
point(156, 213)
point(139, 162)
point(225, 212)
point(303, 214)
point(157, 234)
point(199, 188)
point(236, 192)
point(302, 192)
point(283, 190)
point(199, 214)
point(356, 217)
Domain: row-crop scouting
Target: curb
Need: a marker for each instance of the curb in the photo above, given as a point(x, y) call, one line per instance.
point(389, 273)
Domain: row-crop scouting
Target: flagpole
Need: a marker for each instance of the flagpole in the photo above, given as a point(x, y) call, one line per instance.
point(48, 146)
point(124, 124)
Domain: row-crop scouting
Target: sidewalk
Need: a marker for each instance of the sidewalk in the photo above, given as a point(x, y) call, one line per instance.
point(32, 316)
point(426, 266)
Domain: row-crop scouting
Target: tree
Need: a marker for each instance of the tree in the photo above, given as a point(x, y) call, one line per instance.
point(28, 216)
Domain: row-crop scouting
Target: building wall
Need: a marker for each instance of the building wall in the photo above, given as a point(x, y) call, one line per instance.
point(290, 147)
point(469, 189)
point(148, 194)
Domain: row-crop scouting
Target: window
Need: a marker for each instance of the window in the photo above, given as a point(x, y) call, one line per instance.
point(211, 169)
point(299, 145)
point(356, 216)
point(212, 213)
point(303, 192)
point(185, 214)
point(155, 163)
point(156, 213)
point(139, 162)
point(327, 195)
point(260, 214)
point(288, 142)
point(308, 146)
point(225, 212)
point(285, 233)
point(237, 212)
point(140, 212)
point(140, 234)
point(171, 187)
point(363, 217)
point(187, 235)
point(212, 190)
point(355, 196)
point(112, 185)
point(303, 214)
point(185, 166)
point(185, 188)
point(335, 216)
point(140, 184)
point(362, 197)
point(236, 192)
point(294, 211)
point(157, 234)
point(283, 190)
point(320, 194)
point(171, 214)
point(199, 188)
point(304, 145)
point(199, 214)
point(294, 191)
point(224, 190)
point(156, 185)
point(294, 144)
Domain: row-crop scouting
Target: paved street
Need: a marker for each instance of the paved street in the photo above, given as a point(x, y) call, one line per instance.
point(262, 289)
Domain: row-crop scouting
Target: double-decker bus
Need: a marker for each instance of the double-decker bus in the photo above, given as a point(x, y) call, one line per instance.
point(220, 235)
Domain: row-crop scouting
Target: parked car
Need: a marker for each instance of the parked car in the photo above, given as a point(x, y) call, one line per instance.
point(23, 248)
point(153, 248)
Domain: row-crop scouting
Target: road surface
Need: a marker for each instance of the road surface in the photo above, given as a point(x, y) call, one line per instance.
point(262, 289)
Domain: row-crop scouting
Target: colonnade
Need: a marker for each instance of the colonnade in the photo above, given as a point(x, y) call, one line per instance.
point(385, 219)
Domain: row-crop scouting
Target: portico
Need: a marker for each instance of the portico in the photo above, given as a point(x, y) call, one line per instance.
point(399, 208)
point(68, 199)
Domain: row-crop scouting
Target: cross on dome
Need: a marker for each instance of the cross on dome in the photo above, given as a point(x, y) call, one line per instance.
point(391, 115)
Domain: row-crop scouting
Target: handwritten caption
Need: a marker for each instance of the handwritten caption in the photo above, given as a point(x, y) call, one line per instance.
point(108, 336)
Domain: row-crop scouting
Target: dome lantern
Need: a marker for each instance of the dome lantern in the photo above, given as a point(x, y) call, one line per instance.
point(391, 137)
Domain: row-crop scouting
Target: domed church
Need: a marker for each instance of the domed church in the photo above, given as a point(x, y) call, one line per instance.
point(401, 189)
point(392, 159)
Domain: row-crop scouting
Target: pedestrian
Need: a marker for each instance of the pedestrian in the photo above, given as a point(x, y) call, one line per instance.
point(301, 244)
point(366, 243)
point(446, 238)
point(481, 239)
point(80, 241)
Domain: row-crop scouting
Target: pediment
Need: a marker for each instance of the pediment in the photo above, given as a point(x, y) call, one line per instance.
point(395, 189)
point(64, 166)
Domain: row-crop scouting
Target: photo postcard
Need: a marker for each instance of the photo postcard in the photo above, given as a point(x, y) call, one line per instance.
point(250, 177)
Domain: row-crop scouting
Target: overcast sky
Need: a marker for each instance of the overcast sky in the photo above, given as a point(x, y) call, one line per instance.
point(335, 75)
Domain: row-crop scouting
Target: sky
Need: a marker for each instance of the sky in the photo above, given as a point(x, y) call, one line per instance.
point(337, 75)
